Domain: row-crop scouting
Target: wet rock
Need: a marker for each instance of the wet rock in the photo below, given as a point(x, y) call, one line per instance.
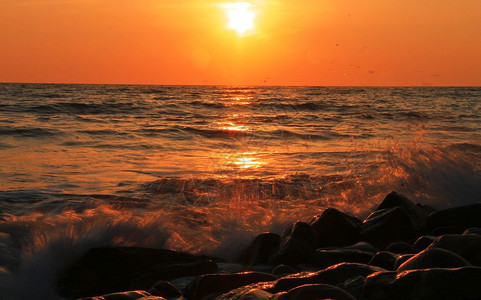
point(462, 217)
point(354, 286)
point(390, 225)
point(247, 293)
point(363, 246)
point(217, 284)
point(394, 199)
point(111, 269)
point(283, 270)
point(335, 228)
point(314, 292)
point(384, 259)
point(165, 289)
point(325, 258)
point(459, 283)
point(261, 249)
point(446, 230)
point(297, 246)
point(422, 243)
point(131, 295)
point(377, 285)
point(473, 230)
point(399, 248)
point(401, 259)
point(467, 246)
point(434, 258)
point(426, 208)
point(333, 275)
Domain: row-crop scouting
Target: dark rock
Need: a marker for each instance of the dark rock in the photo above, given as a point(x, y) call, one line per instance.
point(394, 199)
point(401, 259)
point(459, 283)
point(462, 217)
point(422, 243)
point(326, 258)
point(434, 258)
point(217, 284)
point(283, 270)
point(261, 249)
point(131, 295)
point(446, 230)
point(384, 259)
point(112, 269)
point(467, 246)
point(165, 289)
point(333, 275)
point(399, 248)
point(335, 228)
point(473, 230)
point(390, 225)
point(363, 246)
point(377, 285)
point(315, 292)
point(246, 293)
point(297, 246)
point(426, 208)
point(354, 286)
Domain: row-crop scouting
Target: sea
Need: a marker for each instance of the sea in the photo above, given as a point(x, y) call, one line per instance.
point(204, 169)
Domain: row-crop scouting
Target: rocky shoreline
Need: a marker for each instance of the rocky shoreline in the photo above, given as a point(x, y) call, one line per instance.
point(402, 250)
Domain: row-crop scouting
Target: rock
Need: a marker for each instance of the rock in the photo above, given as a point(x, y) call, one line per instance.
point(401, 259)
point(462, 217)
point(399, 248)
point(131, 295)
point(426, 208)
point(283, 270)
point(297, 246)
point(335, 228)
point(261, 249)
point(459, 283)
point(325, 258)
point(422, 243)
point(217, 284)
point(332, 275)
point(314, 292)
point(377, 285)
point(434, 258)
point(473, 230)
point(394, 199)
point(353, 286)
point(165, 289)
point(363, 246)
point(111, 269)
point(467, 246)
point(384, 259)
point(446, 230)
point(246, 293)
point(390, 225)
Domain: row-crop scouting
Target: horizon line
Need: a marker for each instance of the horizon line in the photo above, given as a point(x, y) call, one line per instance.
point(239, 85)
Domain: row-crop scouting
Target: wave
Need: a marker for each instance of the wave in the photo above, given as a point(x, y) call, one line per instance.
point(214, 216)
point(29, 132)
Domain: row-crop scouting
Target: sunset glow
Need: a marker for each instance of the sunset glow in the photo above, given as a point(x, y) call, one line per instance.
point(307, 43)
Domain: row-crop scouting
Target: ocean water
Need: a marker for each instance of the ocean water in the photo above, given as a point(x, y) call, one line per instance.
point(204, 169)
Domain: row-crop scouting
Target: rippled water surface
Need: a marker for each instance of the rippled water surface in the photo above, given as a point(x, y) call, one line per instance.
point(201, 169)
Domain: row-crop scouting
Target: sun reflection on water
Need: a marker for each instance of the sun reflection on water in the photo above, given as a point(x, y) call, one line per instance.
point(248, 160)
point(231, 126)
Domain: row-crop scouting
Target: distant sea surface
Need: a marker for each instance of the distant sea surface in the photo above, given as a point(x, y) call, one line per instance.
point(204, 169)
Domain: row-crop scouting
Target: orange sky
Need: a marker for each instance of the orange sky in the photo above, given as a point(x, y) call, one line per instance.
point(305, 42)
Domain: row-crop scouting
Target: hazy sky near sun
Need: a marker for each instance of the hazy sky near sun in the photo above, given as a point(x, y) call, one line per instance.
point(305, 42)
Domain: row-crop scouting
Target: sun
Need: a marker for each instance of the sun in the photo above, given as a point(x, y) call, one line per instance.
point(241, 18)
